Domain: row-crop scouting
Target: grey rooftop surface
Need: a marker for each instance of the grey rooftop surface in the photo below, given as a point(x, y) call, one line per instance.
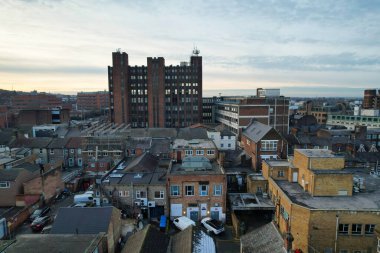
point(249, 201)
point(369, 200)
point(256, 131)
point(194, 143)
point(278, 163)
point(196, 165)
point(86, 220)
point(317, 153)
point(47, 243)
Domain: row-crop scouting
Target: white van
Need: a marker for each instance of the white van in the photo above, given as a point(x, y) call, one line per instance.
point(83, 198)
point(183, 222)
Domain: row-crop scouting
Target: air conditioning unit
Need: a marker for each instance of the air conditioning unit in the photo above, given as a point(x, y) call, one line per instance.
point(151, 203)
point(105, 201)
point(137, 203)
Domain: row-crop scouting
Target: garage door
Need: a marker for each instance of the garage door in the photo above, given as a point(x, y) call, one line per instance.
point(176, 210)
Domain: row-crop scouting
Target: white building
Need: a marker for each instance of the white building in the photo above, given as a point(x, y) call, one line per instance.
point(222, 138)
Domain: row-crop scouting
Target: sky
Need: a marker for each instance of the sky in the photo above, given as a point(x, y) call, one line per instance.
point(311, 48)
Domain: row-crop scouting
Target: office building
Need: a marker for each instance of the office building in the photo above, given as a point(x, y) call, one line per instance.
point(155, 95)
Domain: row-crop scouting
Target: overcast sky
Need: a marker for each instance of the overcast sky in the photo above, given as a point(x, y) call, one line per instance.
point(65, 46)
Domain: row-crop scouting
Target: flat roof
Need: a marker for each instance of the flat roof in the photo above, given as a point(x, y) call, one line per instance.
point(195, 143)
point(316, 153)
point(278, 163)
point(249, 201)
point(177, 169)
point(367, 200)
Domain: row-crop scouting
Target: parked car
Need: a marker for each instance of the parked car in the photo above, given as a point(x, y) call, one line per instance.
point(39, 213)
point(213, 225)
point(183, 222)
point(39, 223)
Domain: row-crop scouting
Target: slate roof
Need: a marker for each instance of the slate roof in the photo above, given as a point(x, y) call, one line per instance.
point(75, 142)
point(148, 240)
point(160, 146)
point(58, 143)
point(262, 240)
point(87, 220)
point(48, 243)
point(9, 174)
point(143, 163)
point(41, 142)
point(256, 131)
point(181, 242)
point(152, 132)
point(192, 133)
point(224, 131)
point(31, 167)
point(142, 143)
point(6, 137)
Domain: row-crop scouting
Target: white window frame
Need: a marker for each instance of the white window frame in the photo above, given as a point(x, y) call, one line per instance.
point(5, 184)
point(172, 190)
point(139, 194)
point(210, 152)
point(269, 145)
point(72, 151)
point(203, 192)
point(356, 229)
point(52, 151)
point(188, 152)
point(216, 190)
point(161, 194)
point(200, 152)
point(187, 190)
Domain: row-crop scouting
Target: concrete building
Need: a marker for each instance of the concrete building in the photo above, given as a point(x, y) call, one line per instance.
point(155, 95)
point(197, 189)
point(351, 121)
point(321, 206)
point(270, 109)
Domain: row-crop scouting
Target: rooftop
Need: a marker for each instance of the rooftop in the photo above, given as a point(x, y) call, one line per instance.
point(367, 200)
point(249, 201)
point(48, 243)
point(196, 165)
point(318, 153)
point(194, 143)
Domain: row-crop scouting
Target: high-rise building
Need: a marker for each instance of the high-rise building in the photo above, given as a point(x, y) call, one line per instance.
point(371, 99)
point(155, 95)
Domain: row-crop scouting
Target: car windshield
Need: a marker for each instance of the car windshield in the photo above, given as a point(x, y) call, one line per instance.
point(38, 220)
point(37, 212)
point(215, 223)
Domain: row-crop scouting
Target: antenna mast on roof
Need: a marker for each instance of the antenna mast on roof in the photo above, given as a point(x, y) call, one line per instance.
point(196, 51)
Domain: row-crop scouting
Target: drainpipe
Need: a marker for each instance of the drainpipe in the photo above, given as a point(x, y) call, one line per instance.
point(336, 233)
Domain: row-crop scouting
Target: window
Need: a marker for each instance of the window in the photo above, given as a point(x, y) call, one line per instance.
point(369, 229)
point(221, 145)
point(188, 152)
point(280, 173)
point(200, 152)
point(174, 190)
point(210, 152)
point(356, 229)
point(343, 229)
point(140, 194)
point(203, 190)
point(189, 190)
point(4, 184)
point(159, 194)
point(218, 190)
point(41, 151)
point(123, 193)
point(229, 145)
point(72, 151)
point(105, 153)
point(269, 145)
point(79, 151)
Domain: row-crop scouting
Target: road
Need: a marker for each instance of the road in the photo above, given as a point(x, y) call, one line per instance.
point(25, 227)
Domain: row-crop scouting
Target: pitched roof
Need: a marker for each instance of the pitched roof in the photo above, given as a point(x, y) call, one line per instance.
point(9, 174)
point(75, 142)
point(182, 242)
point(58, 143)
point(224, 131)
point(256, 131)
point(142, 143)
point(148, 240)
point(160, 146)
point(143, 163)
point(192, 133)
point(263, 239)
point(41, 142)
point(87, 220)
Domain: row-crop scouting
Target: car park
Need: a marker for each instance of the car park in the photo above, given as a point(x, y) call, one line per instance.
point(39, 223)
point(213, 225)
point(183, 222)
point(39, 213)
